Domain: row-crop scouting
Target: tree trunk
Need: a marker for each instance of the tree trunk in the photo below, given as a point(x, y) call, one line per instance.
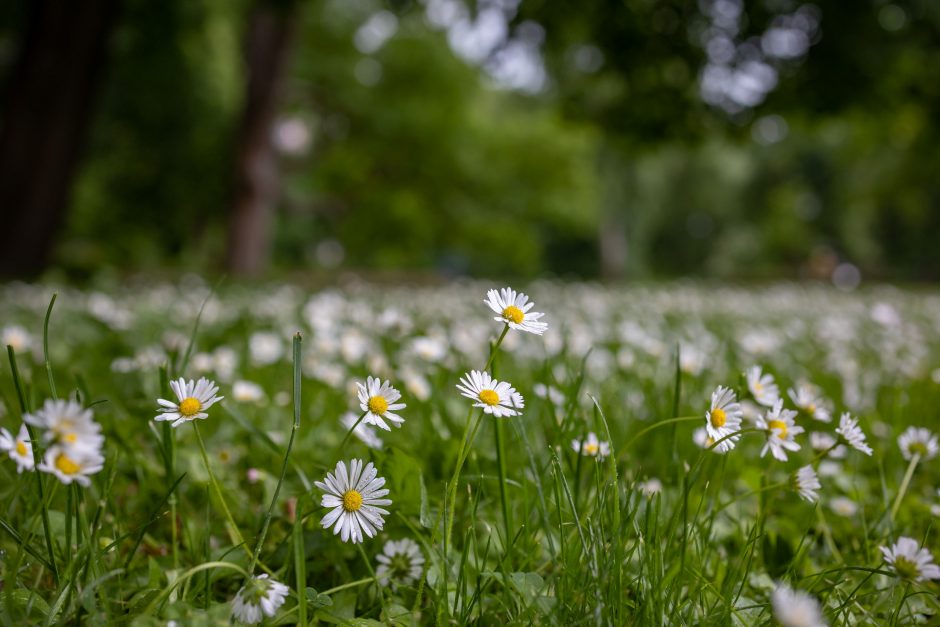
point(256, 185)
point(49, 105)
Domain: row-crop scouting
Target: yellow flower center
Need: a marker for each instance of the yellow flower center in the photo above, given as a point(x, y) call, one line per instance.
point(917, 448)
point(811, 409)
point(758, 387)
point(378, 405)
point(21, 448)
point(71, 438)
point(719, 417)
point(66, 465)
point(190, 406)
point(352, 501)
point(513, 314)
point(590, 448)
point(489, 397)
point(778, 424)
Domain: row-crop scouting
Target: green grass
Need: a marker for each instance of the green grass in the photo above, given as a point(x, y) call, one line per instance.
point(515, 526)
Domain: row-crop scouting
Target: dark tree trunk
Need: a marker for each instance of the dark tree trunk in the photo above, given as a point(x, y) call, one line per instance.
point(256, 170)
point(49, 105)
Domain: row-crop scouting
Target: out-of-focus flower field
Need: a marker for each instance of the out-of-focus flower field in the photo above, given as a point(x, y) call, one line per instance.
point(610, 482)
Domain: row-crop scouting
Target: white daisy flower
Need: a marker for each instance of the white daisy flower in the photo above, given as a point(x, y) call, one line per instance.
point(795, 608)
point(259, 597)
point(723, 418)
point(265, 348)
point(514, 310)
point(192, 401)
point(807, 399)
point(362, 431)
point(498, 398)
point(852, 433)
point(762, 387)
point(918, 441)
point(72, 464)
point(650, 487)
point(68, 424)
point(354, 496)
point(781, 431)
point(910, 561)
point(806, 483)
point(377, 399)
point(19, 448)
point(247, 392)
point(821, 441)
point(703, 440)
point(591, 446)
point(400, 563)
point(843, 506)
point(17, 337)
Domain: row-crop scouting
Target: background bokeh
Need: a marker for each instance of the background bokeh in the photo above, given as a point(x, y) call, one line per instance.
point(434, 138)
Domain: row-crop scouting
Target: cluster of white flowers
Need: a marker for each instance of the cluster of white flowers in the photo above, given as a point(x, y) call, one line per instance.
point(71, 439)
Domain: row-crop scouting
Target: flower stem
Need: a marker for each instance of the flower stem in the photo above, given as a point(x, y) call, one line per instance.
point(234, 533)
point(904, 484)
point(290, 444)
point(378, 586)
point(34, 444)
point(501, 465)
point(349, 433)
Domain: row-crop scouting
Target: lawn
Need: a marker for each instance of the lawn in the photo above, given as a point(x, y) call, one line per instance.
point(687, 454)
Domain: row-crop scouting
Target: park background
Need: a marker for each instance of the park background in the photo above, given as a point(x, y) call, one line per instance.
point(423, 140)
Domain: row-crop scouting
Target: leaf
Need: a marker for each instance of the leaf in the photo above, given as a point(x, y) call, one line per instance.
point(318, 600)
point(26, 605)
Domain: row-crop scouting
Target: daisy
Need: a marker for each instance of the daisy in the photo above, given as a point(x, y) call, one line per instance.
point(703, 440)
point(808, 400)
point(650, 487)
point(723, 418)
point(72, 464)
point(377, 399)
point(498, 398)
point(918, 441)
point(821, 441)
point(762, 387)
point(852, 433)
point(247, 392)
point(910, 561)
point(259, 597)
point(513, 309)
point(362, 431)
point(193, 399)
point(781, 431)
point(795, 608)
point(843, 506)
point(17, 337)
point(67, 423)
point(20, 449)
point(400, 563)
point(591, 446)
point(354, 497)
point(806, 483)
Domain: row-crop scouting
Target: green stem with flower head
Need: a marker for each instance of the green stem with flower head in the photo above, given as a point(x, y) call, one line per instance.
point(904, 484)
point(466, 440)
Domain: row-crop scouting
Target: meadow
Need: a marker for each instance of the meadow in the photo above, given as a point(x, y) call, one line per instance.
point(675, 454)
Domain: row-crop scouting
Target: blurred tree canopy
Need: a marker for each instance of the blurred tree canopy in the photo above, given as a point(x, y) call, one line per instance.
point(722, 138)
